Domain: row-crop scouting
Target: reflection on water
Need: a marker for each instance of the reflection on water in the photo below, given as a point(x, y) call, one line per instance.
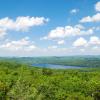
point(55, 66)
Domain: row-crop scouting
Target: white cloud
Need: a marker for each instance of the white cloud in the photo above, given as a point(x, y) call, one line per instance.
point(58, 32)
point(74, 11)
point(2, 32)
point(80, 42)
point(21, 23)
point(62, 32)
point(79, 26)
point(22, 44)
point(97, 6)
point(44, 38)
point(52, 47)
point(94, 18)
point(94, 40)
point(61, 42)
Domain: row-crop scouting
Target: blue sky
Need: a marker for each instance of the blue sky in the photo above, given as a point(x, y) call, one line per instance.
point(49, 27)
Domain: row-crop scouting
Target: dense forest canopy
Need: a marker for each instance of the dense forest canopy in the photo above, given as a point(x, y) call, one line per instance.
point(21, 82)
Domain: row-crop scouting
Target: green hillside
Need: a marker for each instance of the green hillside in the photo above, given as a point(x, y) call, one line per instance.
point(22, 82)
point(82, 61)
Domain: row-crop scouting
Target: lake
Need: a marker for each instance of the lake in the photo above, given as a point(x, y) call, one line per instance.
point(54, 66)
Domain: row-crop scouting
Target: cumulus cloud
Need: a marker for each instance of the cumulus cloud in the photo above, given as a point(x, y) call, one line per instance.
point(22, 44)
point(74, 11)
point(22, 23)
point(80, 42)
point(94, 18)
point(61, 42)
point(2, 32)
point(94, 40)
point(97, 6)
point(62, 32)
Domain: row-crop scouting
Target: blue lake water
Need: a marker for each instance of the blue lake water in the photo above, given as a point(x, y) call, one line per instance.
point(54, 66)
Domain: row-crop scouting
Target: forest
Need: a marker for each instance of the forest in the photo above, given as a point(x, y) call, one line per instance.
point(20, 81)
point(82, 61)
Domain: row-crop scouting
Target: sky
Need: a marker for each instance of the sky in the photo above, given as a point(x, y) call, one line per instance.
point(49, 27)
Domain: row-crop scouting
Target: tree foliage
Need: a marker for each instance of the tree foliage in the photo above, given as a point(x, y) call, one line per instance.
point(22, 82)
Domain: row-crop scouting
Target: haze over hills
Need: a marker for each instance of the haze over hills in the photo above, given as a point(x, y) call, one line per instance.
point(82, 61)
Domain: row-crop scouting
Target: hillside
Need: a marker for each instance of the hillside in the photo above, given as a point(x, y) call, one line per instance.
point(82, 61)
point(21, 82)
